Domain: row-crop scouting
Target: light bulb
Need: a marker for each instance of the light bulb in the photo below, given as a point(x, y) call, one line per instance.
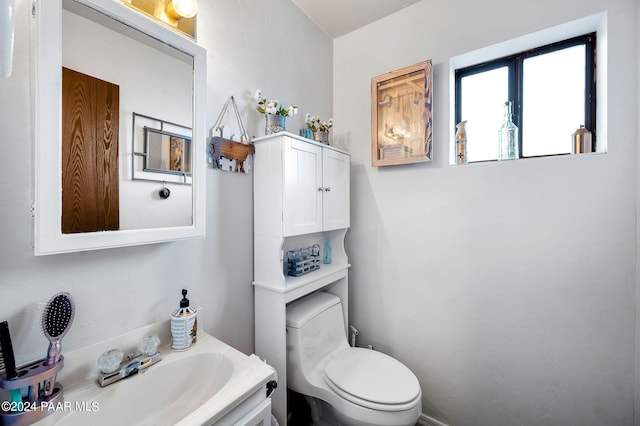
point(178, 9)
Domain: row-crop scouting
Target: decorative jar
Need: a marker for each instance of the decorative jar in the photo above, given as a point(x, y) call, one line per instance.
point(321, 137)
point(275, 124)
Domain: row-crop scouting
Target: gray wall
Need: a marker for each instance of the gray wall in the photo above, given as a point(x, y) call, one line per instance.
point(637, 106)
point(509, 288)
point(251, 44)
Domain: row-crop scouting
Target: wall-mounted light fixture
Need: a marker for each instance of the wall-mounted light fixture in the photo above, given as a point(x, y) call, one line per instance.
point(180, 14)
point(178, 9)
point(7, 19)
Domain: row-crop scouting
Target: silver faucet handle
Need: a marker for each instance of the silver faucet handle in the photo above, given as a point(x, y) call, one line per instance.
point(149, 345)
point(110, 361)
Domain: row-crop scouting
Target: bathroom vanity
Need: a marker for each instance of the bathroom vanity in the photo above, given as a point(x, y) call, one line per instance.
point(211, 383)
point(301, 198)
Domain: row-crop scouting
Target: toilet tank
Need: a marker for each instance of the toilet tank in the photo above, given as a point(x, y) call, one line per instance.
point(315, 329)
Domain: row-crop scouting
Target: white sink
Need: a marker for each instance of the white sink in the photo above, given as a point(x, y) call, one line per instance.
point(197, 386)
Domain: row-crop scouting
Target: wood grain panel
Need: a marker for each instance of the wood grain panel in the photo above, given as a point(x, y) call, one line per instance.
point(90, 189)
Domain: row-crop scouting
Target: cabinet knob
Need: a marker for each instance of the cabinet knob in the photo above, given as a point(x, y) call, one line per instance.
point(320, 189)
point(327, 189)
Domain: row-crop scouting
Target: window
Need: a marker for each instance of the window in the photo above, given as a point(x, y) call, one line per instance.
point(552, 89)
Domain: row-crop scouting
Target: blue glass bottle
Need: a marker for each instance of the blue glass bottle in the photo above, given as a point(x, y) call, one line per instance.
point(326, 251)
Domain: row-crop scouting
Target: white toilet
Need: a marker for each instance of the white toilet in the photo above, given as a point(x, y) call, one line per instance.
point(362, 386)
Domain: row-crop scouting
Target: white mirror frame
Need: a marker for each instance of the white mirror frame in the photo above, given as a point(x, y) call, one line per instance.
point(47, 115)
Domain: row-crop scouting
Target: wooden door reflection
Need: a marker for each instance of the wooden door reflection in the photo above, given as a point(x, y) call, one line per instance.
point(90, 189)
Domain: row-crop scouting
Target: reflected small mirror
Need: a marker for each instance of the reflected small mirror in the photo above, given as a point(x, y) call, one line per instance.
point(167, 152)
point(162, 151)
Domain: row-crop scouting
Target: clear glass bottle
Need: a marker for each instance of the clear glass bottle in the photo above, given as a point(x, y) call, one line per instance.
point(508, 136)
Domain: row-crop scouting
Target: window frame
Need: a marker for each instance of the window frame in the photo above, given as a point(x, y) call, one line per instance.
point(515, 65)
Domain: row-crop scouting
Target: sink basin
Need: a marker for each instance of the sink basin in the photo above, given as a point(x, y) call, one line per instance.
point(197, 386)
point(163, 394)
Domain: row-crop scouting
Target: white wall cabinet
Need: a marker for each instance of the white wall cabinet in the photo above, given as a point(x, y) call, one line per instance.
point(336, 186)
point(301, 198)
point(316, 188)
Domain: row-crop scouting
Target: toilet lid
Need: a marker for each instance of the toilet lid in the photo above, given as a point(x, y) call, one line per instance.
point(372, 379)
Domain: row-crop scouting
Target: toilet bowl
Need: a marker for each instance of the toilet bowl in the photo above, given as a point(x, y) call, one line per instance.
point(362, 386)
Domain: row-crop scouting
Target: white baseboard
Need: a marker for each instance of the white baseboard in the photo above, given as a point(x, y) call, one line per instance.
point(425, 420)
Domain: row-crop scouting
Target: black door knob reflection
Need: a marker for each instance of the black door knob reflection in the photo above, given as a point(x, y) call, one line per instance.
point(164, 193)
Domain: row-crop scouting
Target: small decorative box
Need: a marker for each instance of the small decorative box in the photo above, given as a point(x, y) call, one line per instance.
point(303, 260)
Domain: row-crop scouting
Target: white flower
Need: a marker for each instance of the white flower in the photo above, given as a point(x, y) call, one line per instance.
point(272, 106)
point(315, 124)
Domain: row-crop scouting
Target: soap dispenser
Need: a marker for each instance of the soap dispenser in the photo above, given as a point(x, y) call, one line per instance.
point(184, 325)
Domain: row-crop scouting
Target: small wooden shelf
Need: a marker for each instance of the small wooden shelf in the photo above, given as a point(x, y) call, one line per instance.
point(231, 150)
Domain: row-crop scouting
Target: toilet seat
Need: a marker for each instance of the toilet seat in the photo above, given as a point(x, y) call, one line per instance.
point(372, 379)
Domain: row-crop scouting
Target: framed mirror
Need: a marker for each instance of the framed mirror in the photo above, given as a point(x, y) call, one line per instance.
point(116, 62)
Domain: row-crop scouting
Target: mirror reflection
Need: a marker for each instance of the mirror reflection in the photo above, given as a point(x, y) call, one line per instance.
point(162, 151)
point(167, 152)
point(119, 72)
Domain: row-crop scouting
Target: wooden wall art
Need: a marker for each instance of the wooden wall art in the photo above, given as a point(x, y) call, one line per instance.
point(225, 153)
point(401, 116)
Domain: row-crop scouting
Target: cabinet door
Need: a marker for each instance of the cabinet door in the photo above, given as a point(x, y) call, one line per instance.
point(259, 416)
point(335, 182)
point(302, 200)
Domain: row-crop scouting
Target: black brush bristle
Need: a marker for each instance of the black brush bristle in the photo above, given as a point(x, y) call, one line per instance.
point(58, 315)
point(7, 358)
point(2, 369)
